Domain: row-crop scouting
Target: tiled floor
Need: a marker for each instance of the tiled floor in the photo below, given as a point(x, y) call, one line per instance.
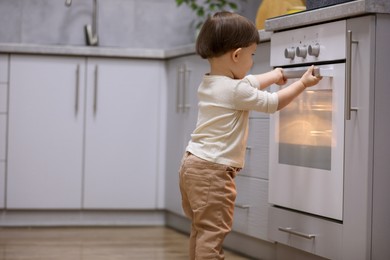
point(117, 243)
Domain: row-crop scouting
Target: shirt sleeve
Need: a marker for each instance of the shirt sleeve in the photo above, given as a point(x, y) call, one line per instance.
point(248, 96)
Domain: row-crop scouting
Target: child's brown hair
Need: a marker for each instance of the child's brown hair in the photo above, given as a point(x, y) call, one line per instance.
point(225, 31)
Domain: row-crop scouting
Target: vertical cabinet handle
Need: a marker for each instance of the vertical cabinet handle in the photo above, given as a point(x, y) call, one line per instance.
point(95, 93)
point(76, 106)
point(179, 79)
point(183, 75)
point(187, 74)
point(348, 76)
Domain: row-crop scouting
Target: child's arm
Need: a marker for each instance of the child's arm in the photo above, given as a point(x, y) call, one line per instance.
point(272, 77)
point(287, 94)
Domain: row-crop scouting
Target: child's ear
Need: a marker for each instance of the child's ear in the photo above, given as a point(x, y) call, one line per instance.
point(236, 54)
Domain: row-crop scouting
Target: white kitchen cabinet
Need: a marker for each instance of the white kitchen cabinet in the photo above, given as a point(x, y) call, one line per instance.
point(251, 207)
point(45, 138)
point(83, 133)
point(184, 76)
point(121, 137)
point(256, 158)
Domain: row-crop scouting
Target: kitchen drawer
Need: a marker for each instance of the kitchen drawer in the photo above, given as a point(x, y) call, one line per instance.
point(251, 211)
point(256, 160)
point(3, 68)
point(3, 121)
point(328, 234)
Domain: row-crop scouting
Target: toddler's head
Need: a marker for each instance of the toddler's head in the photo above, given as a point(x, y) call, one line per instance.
point(223, 32)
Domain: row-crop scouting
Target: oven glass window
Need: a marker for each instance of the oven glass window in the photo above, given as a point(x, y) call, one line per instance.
point(305, 129)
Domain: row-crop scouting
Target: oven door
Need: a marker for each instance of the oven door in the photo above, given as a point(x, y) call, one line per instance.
point(307, 146)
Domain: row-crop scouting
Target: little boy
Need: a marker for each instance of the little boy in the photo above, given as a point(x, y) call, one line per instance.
point(216, 151)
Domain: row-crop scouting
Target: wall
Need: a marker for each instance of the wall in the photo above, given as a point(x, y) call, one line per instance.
point(121, 23)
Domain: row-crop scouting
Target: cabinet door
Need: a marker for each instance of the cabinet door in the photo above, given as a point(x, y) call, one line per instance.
point(251, 207)
point(45, 132)
point(256, 160)
point(184, 77)
point(360, 133)
point(122, 128)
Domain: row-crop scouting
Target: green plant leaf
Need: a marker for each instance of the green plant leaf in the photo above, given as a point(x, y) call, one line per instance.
point(233, 6)
point(200, 12)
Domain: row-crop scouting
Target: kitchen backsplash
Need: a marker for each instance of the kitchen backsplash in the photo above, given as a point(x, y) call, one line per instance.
point(121, 23)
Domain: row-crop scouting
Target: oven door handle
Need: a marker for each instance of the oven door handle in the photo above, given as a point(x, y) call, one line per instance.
point(294, 73)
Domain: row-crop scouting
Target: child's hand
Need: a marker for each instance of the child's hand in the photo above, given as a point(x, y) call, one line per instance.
point(308, 79)
point(279, 77)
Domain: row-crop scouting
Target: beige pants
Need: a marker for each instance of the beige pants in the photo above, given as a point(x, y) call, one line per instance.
point(208, 194)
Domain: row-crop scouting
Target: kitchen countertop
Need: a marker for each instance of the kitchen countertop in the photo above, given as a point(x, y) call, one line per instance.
point(330, 13)
point(107, 51)
point(70, 50)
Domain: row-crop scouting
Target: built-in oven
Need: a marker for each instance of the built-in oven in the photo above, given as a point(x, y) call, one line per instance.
point(306, 170)
point(328, 162)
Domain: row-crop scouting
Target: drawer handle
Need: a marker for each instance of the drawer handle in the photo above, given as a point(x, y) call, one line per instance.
point(242, 206)
point(297, 233)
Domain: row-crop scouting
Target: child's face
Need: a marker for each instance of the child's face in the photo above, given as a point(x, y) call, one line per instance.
point(244, 61)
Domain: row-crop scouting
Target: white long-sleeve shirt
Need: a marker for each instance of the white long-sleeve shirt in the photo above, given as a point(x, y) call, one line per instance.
point(221, 132)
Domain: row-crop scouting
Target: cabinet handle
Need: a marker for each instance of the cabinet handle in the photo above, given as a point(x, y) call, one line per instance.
point(180, 73)
point(291, 231)
point(95, 93)
point(186, 77)
point(348, 76)
point(76, 106)
point(242, 206)
point(182, 84)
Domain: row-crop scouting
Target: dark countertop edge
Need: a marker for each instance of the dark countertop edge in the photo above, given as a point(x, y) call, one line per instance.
point(330, 13)
point(107, 52)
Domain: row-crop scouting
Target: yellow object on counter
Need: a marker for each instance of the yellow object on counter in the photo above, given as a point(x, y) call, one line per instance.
point(273, 8)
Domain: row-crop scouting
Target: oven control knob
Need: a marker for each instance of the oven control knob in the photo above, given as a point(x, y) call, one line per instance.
point(289, 53)
point(314, 50)
point(301, 51)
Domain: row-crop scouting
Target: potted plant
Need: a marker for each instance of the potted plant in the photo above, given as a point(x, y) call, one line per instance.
point(206, 8)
